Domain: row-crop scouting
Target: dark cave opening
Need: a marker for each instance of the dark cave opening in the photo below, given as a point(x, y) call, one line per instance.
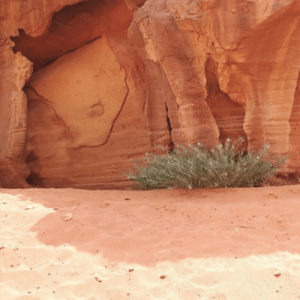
point(35, 180)
point(32, 162)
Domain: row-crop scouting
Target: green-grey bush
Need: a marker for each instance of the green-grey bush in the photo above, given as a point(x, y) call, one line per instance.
point(196, 166)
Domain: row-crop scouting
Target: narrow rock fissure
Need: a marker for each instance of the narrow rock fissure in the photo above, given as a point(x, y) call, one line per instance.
point(171, 144)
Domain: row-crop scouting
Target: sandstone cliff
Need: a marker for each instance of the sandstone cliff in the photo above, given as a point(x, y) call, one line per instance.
point(86, 86)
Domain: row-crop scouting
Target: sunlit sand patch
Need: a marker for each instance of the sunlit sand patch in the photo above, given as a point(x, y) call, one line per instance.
point(33, 270)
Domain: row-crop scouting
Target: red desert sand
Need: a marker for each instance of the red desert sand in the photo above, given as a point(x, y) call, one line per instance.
point(210, 244)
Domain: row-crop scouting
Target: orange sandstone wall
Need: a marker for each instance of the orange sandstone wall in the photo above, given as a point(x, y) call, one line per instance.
point(33, 17)
point(88, 86)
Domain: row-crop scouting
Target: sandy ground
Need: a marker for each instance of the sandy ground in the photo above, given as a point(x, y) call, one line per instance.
point(234, 244)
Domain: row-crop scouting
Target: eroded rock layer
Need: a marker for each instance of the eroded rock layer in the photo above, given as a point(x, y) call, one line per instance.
point(89, 85)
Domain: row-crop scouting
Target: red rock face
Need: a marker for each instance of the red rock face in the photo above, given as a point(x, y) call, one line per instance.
point(88, 86)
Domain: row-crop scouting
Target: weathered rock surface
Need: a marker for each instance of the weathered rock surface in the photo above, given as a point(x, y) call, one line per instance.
point(108, 81)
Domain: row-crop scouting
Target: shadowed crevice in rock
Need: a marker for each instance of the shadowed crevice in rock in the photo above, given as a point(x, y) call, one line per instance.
point(36, 59)
point(161, 108)
point(32, 157)
point(228, 114)
point(71, 28)
point(35, 180)
point(171, 144)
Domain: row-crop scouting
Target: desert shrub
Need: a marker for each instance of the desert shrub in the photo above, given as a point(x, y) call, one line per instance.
point(196, 166)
